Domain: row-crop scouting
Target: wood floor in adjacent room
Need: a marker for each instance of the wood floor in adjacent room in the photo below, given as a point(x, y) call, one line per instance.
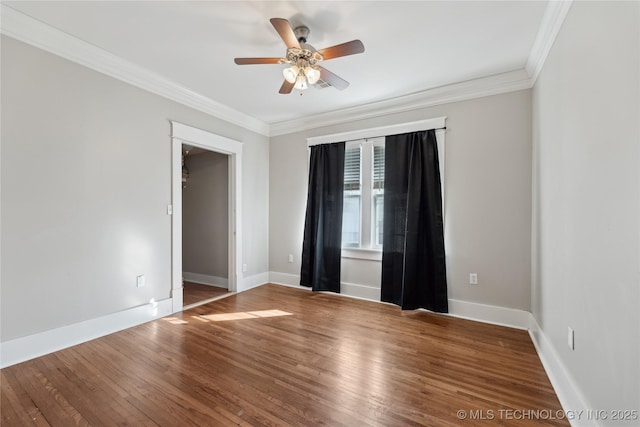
point(193, 293)
point(281, 356)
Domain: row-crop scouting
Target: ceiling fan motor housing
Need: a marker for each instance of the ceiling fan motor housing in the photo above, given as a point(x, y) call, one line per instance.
point(301, 33)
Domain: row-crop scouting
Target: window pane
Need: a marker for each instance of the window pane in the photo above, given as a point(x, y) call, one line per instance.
point(352, 168)
point(378, 166)
point(378, 209)
point(351, 220)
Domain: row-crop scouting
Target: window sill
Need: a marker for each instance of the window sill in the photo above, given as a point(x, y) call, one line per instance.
point(365, 254)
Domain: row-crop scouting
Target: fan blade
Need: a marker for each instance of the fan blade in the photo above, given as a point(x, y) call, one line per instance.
point(286, 87)
point(333, 79)
point(248, 61)
point(344, 49)
point(286, 32)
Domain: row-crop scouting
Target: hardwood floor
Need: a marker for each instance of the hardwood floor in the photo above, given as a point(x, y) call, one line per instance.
point(195, 292)
point(290, 357)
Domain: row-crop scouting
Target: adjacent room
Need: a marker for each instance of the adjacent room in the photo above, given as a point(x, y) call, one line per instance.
point(205, 225)
point(306, 213)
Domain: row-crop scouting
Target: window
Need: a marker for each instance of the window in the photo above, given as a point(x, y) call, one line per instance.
point(378, 193)
point(352, 193)
point(363, 194)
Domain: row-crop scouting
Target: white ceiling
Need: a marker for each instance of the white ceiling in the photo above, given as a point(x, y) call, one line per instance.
point(410, 47)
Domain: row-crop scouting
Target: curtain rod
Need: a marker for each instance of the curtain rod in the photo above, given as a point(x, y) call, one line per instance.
point(436, 123)
point(383, 136)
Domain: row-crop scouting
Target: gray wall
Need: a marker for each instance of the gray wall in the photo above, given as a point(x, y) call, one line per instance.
point(86, 177)
point(586, 257)
point(487, 198)
point(205, 215)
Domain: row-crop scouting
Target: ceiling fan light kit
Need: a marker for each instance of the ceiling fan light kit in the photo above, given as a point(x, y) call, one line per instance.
point(304, 58)
point(291, 74)
point(312, 75)
point(304, 69)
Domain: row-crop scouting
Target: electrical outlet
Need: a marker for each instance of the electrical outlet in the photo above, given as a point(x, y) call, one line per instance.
point(140, 281)
point(244, 268)
point(290, 257)
point(570, 339)
point(473, 278)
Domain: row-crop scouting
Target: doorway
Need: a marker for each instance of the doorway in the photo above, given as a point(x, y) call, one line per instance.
point(184, 135)
point(205, 233)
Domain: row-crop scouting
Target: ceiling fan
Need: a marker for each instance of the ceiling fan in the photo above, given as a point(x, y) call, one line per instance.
point(304, 58)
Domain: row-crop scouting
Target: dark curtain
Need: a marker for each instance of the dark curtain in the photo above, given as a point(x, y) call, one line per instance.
point(413, 261)
point(322, 245)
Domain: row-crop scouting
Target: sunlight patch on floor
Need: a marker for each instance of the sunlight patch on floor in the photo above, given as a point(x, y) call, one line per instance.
point(175, 320)
point(242, 315)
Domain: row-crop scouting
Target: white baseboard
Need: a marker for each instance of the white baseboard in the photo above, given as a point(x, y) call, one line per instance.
point(492, 314)
point(285, 279)
point(468, 310)
point(352, 290)
point(39, 344)
point(31, 346)
point(203, 279)
point(572, 401)
point(254, 281)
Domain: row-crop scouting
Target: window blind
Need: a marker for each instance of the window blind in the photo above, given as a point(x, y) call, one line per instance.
point(352, 168)
point(378, 167)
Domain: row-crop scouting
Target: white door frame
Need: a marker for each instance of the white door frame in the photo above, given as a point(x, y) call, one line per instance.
point(184, 134)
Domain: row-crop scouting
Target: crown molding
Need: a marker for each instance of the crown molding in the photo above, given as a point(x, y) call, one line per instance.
point(485, 86)
point(554, 16)
point(36, 33)
point(550, 26)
